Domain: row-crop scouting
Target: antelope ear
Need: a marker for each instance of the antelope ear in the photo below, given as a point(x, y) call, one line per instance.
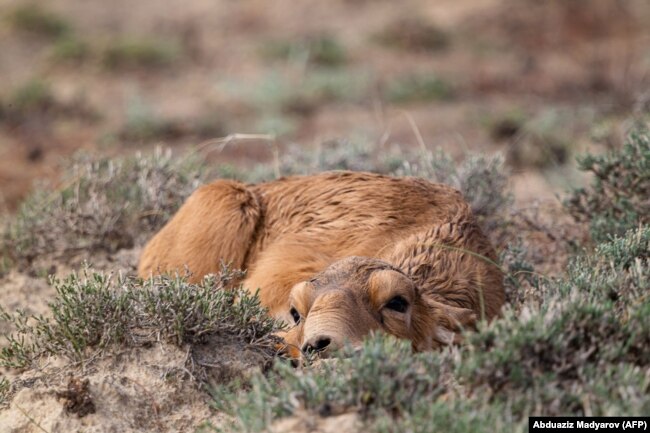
point(451, 321)
point(437, 324)
point(445, 337)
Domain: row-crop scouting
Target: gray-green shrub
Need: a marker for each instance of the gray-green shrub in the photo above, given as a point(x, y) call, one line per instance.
point(104, 204)
point(618, 198)
point(95, 311)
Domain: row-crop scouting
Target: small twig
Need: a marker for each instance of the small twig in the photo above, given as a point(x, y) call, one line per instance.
point(534, 225)
point(536, 274)
point(222, 142)
point(415, 129)
point(32, 420)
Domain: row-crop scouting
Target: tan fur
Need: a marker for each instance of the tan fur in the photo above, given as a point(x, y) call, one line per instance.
point(338, 247)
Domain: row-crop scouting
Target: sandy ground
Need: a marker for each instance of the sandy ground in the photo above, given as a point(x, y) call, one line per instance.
point(158, 388)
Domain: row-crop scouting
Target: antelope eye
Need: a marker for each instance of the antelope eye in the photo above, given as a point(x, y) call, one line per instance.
point(295, 314)
point(398, 303)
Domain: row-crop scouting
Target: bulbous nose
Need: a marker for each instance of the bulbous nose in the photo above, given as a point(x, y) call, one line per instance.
point(317, 344)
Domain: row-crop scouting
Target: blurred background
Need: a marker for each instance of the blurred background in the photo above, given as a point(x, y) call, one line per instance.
point(539, 81)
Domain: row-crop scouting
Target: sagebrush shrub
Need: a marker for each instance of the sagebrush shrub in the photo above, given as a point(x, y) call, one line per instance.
point(104, 204)
point(618, 198)
point(94, 311)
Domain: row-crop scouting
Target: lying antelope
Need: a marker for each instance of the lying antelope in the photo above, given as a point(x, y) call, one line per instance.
point(341, 254)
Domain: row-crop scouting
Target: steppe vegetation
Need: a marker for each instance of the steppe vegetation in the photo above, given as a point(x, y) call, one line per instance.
point(574, 343)
point(528, 108)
